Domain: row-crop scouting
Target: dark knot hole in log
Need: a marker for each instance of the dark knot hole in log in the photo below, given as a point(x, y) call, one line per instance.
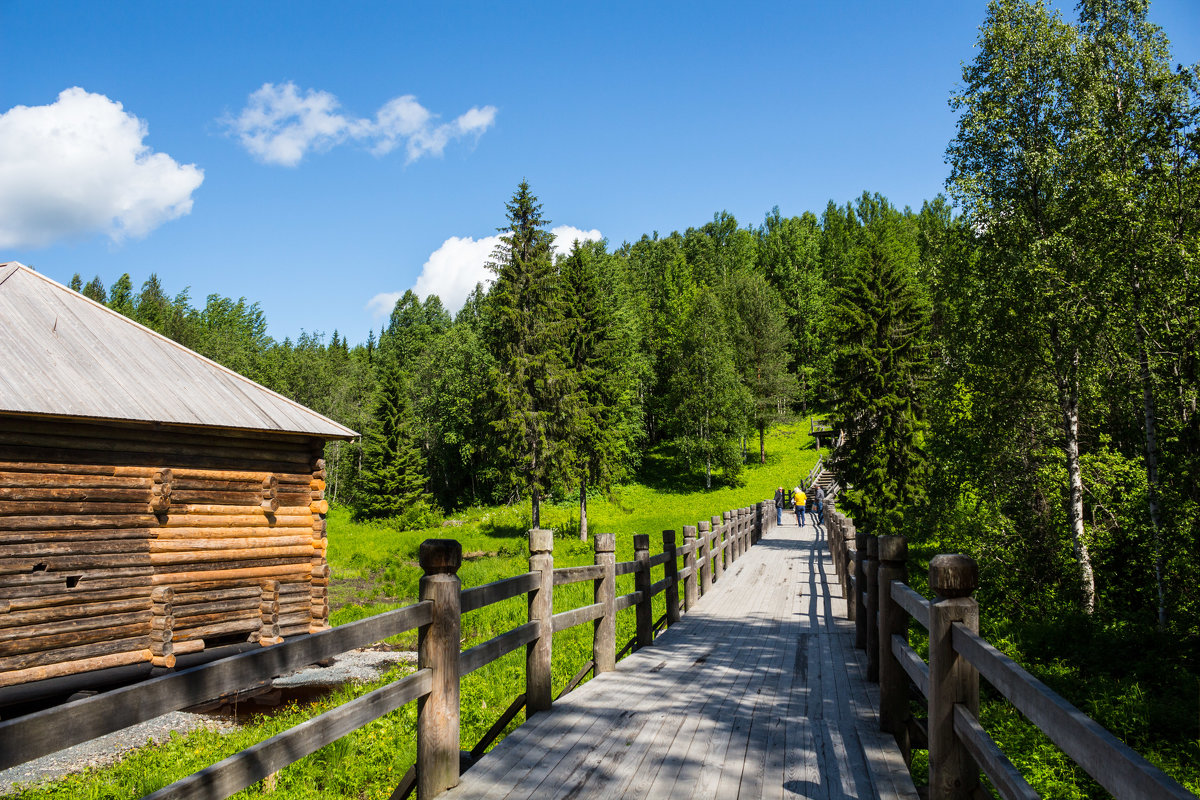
point(73, 581)
point(38, 568)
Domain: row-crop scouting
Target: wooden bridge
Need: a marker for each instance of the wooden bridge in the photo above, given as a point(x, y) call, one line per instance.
point(759, 686)
point(758, 692)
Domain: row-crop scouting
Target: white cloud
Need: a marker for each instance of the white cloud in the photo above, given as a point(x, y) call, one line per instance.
point(565, 236)
point(453, 270)
point(281, 124)
point(80, 165)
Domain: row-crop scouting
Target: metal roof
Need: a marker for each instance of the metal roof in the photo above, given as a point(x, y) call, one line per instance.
point(62, 354)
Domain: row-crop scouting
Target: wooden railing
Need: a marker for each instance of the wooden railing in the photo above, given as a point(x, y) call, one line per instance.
point(872, 572)
point(708, 548)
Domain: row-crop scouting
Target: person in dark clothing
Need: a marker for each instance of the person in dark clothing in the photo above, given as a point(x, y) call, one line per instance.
point(780, 499)
point(820, 495)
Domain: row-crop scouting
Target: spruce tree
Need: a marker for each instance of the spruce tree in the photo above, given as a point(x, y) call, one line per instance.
point(524, 329)
point(393, 475)
point(879, 372)
point(605, 414)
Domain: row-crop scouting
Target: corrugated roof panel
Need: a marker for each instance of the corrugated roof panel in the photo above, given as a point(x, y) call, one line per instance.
point(65, 355)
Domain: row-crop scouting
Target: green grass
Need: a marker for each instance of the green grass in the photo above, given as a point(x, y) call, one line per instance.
point(375, 568)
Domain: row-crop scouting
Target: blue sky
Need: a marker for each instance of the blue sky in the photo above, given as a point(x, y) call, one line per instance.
point(320, 158)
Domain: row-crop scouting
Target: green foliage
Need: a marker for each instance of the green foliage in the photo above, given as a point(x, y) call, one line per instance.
point(525, 332)
point(789, 256)
point(760, 341)
point(709, 404)
point(393, 476)
point(880, 372)
point(602, 354)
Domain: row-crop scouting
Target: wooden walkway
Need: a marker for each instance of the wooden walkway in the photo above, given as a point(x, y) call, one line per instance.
point(757, 693)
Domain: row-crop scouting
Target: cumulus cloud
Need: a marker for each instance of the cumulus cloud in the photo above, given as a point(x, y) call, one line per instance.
point(565, 236)
point(282, 123)
point(80, 165)
point(453, 270)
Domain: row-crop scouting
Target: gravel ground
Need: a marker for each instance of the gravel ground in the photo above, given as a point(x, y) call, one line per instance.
point(356, 665)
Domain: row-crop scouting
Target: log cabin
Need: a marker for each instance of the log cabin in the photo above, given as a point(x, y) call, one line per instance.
point(156, 508)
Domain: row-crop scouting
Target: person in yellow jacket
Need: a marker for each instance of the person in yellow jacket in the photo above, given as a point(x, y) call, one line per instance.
point(798, 500)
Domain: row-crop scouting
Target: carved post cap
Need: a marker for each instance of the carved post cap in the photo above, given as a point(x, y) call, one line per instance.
point(541, 540)
point(872, 546)
point(440, 556)
point(860, 540)
point(605, 542)
point(689, 532)
point(705, 527)
point(668, 538)
point(725, 515)
point(641, 541)
point(893, 548)
point(953, 575)
point(716, 519)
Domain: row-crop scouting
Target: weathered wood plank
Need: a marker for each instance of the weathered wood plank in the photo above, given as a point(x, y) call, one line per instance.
point(487, 652)
point(577, 616)
point(568, 575)
point(479, 596)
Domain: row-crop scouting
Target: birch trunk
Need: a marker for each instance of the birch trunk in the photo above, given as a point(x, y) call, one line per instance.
point(1068, 392)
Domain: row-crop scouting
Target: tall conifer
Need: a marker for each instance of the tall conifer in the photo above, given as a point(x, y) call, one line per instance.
point(524, 330)
point(879, 372)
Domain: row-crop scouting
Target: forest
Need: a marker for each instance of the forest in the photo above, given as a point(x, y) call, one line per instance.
point(1015, 364)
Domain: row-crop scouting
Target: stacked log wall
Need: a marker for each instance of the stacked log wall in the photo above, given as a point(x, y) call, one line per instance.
point(124, 543)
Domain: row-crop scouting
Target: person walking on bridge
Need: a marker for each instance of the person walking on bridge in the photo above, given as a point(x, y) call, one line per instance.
point(799, 499)
point(780, 499)
point(820, 497)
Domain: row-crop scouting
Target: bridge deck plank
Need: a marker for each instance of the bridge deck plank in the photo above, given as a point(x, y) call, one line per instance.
point(758, 693)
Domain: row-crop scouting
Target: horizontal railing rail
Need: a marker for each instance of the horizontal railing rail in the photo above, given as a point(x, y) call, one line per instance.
point(25, 738)
point(707, 550)
point(872, 572)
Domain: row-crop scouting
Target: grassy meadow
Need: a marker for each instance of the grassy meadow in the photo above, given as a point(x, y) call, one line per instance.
point(375, 568)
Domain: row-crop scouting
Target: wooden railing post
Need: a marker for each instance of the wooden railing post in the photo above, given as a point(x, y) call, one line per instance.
point(747, 529)
point(833, 539)
point(706, 576)
point(953, 774)
point(541, 611)
point(739, 532)
point(849, 552)
point(860, 585)
point(690, 584)
point(721, 537)
point(844, 548)
point(872, 568)
point(735, 534)
point(437, 650)
point(644, 611)
point(893, 621)
point(671, 568)
point(604, 629)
